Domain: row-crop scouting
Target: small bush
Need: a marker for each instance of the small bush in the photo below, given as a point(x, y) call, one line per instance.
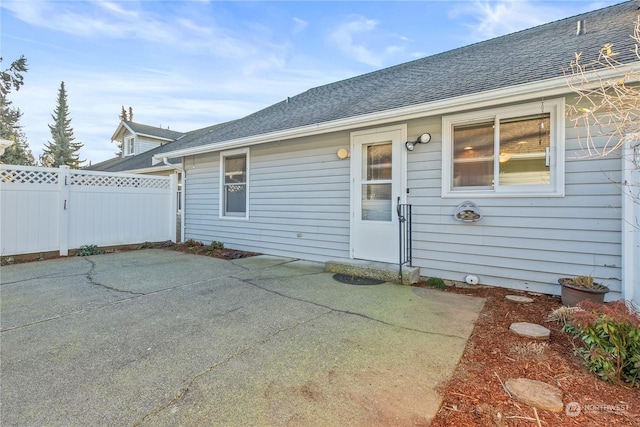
point(610, 337)
point(435, 282)
point(86, 250)
point(189, 245)
point(216, 245)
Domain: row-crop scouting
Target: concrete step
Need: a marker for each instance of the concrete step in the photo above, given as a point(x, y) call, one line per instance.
point(374, 270)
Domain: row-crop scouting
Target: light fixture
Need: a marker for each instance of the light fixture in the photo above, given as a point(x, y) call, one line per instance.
point(422, 139)
point(343, 153)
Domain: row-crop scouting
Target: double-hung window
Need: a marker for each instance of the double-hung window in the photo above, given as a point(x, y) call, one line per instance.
point(507, 151)
point(129, 146)
point(234, 179)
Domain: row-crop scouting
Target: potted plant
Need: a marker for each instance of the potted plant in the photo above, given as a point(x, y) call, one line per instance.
point(580, 288)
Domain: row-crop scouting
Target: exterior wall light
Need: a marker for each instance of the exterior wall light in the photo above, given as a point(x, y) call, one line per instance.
point(422, 139)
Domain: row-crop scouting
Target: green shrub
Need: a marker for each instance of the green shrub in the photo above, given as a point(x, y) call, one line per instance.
point(435, 282)
point(216, 245)
point(610, 338)
point(86, 250)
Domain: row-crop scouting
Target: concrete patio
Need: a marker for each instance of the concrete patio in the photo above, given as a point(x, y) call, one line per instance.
point(161, 338)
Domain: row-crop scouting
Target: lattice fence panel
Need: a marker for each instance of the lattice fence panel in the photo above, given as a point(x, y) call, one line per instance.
point(19, 176)
point(118, 181)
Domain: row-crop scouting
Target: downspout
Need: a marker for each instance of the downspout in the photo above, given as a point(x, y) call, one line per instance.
point(183, 176)
point(631, 224)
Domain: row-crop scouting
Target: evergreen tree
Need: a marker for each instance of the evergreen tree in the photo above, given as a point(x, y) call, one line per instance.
point(123, 114)
point(19, 153)
point(62, 150)
point(12, 77)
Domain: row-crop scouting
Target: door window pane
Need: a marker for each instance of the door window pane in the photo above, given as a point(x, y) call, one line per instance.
point(377, 160)
point(376, 202)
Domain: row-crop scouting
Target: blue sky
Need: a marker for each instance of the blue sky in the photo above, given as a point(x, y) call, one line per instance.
point(191, 64)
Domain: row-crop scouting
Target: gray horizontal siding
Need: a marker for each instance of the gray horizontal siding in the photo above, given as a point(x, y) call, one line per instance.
point(299, 200)
point(523, 243)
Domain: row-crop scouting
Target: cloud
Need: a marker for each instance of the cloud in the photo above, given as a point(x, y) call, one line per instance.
point(299, 25)
point(344, 38)
point(104, 19)
point(491, 19)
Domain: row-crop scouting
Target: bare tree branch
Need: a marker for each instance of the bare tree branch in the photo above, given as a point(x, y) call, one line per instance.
point(608, 109)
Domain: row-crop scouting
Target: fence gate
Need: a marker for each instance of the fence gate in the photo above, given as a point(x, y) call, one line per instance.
point(57, 209)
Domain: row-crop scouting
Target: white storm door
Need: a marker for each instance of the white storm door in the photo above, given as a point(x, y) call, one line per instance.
point(377, 180)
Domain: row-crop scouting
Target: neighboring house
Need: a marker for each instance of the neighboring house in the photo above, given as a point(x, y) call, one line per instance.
point(144, 142)
point(318, 175)
point(139, 143)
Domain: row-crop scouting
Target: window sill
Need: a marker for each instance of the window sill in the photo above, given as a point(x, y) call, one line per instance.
point(234, 218)
point(498, 195)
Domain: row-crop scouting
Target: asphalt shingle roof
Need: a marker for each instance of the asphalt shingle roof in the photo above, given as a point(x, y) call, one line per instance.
point(527, 56)
point(139, 128)
point(531, 55)
point(144, 160)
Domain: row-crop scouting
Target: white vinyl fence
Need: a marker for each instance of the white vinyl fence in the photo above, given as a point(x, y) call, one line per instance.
point(57, 209)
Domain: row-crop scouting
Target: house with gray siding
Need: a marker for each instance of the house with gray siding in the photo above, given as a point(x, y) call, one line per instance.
point(499, 185)
point(139, 142)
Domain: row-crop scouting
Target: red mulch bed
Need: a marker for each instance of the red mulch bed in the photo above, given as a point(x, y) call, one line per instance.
point(475, 396)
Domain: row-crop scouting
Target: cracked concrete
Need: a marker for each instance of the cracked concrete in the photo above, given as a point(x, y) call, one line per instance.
point(157, 338)
point(92, 281)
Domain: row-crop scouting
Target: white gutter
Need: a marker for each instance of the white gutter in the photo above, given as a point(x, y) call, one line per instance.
point(157, 137)
point(151, 169)
point(165, 160)
point(541, 89)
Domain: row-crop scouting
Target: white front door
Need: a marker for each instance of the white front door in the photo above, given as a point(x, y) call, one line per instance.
point(377, 180)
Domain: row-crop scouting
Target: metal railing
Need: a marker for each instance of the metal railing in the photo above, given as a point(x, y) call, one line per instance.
point(404, 232)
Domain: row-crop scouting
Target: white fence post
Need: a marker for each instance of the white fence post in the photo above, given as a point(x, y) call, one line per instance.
point(173, 206)
point(64, 182)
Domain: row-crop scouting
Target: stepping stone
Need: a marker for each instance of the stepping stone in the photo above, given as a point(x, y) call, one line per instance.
point(536, 393)
point(519, 299)
point(530, 330)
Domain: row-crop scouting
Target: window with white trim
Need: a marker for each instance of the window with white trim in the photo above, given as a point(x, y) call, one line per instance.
point(234, 180)
point(507, 151)
point(129, 146)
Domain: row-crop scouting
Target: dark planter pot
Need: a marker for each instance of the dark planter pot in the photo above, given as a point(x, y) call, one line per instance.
point(572, 294)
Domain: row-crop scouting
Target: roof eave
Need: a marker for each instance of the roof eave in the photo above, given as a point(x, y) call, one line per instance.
point(151, 169)
point(121, 125)
point(156, 137)
point(541, 89)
